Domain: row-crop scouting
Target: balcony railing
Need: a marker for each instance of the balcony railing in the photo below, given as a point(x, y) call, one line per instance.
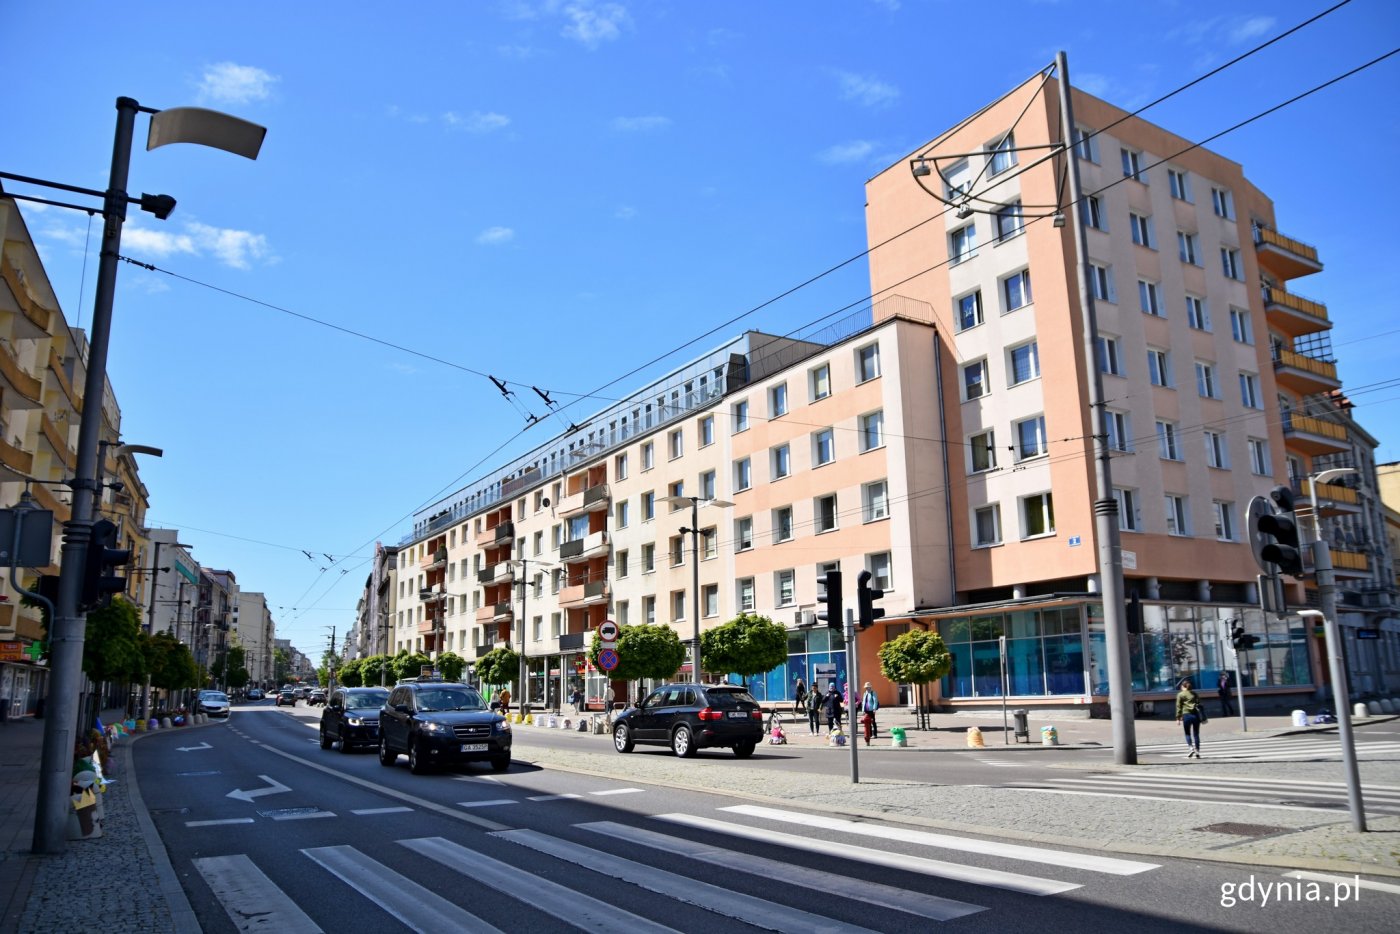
point(1350, 561)
point(1313, 435)
point(591, 499)
point(583, 594)
point(581, 549)
point(32, 311)
point(1285, 256)
point(27, 389)
point(1304, 374)
point(501, 571)
point(434, 559)
point(496, 534)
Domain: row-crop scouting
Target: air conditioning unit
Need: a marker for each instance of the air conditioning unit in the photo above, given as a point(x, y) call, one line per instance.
point(809, 617)
point(797, 617)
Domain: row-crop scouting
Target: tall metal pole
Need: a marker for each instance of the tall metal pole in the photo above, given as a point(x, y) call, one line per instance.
point(524, 614)
point(66, 633)
point(695, 588)
point(853, 678)
point(1110, 558)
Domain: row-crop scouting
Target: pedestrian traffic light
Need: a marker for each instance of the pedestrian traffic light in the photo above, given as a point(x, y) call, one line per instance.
point(832, 615)
point(1284, 552)
point(865, 598)
point(100, 579)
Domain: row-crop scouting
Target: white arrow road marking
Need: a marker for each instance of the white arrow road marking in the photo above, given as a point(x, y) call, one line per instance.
point(193, 748)
point(276, 789)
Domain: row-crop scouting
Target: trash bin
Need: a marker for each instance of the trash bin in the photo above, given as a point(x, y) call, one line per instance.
point(1022, 724)
point(1049, 736)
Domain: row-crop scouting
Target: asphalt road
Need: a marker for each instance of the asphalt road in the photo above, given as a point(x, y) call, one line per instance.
point(266, 831)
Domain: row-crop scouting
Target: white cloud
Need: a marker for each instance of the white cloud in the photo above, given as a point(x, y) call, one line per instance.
point(495, 236)
point(841, 153)
point(227, 83)
point(625, 212)
point(640, 124)
point(865, 90)
point(236, 248)
point(159, 243)
point(1252, 28)
point(1100, 86)
point(592, 24)
point(475, 122)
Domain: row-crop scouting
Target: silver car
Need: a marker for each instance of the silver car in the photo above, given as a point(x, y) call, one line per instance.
point(214, 703)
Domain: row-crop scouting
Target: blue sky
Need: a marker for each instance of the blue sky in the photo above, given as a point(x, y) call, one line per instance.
point(554, 193)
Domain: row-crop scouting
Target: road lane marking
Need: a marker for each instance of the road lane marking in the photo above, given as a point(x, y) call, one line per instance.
point(406, 901)
point(615, 791)
point(313, 815)
point(1343, 880)
point(218, 823)
point(1091, 863)
point(366, 812)
point(494, 802)
point(274, 788)
point(552, 797)
point(252, 900)
point(1133, 797)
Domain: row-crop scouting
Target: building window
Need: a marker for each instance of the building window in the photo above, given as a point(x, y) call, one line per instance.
point(677, 550)
point(707, 485)
point(648, 506)
point(621, 515)
point(709, 596)
point(1224, 520)
point(1141, 227)
point(1086, 144)
point(1030, 438)
point(620, 563)
point(881, 574)
point(620, 466)
point(648, 456)
point(969, 310)
point(1001, 155)
point(677, 605)
point(1008, 220)
point(824, 513)
point(1240, 327)
point(1188, 247)
point(1024, 363)
point(875, 502)
point(867, 363)
point(1109, 359)
point(1101, 282)
point(1205, 381)
point(1197, 315)
point(676, 489)
point(1037, 515)
point(1249, 391)
point(709, 544)
point(1148, 299)
point(1159, 367)
point(743, 474)
point(649, 610)
point(1091, 211)
point(648, 557)
point(744, 594)
point(1217, 450)
point(1120, 430)
point(740, 411)
point(983, 451)
point(986, 526)
point(1259, 461)
point(1167, 447)
point(675, 444)
point(1128, 518)
point(1132, 165)
point(1180, 184)
point(823, 447)
point(962, 244)
point(1230, 263)
point(1016, 290)
point(872, 431)
point(820, 382)
point(743, 533)
point(780, 461)
point(1176, 515)
point(707, 431)
point(785, 588)
point(778, 400)
point(1222, 203)
point(782, 524)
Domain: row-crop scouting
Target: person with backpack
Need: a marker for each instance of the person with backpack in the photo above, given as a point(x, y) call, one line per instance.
point(833, 708)
point(813, 704)
point(869, 704)
point(1190, 714)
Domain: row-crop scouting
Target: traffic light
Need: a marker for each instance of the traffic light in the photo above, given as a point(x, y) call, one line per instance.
point(1241, 640)
point(832, 615)
point(100, 580)
point(1284, 551)
point(865, 598)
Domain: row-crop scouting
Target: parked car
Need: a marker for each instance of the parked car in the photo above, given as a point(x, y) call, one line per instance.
point(316, 698)
point(351, 717)
point(287, 696)
point(438, 722)
point(303, 692)
point(690, 717)
point(213, 703)
point(254, 694)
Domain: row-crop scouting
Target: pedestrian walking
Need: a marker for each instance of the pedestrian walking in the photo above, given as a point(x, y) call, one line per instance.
point(609, 701)
point(1190, 714)
point(813, 704)
point(833, 708)
point(799, 694)
point(576, 699)
point(869, 704)
point(505, 700)
point(1227, 692)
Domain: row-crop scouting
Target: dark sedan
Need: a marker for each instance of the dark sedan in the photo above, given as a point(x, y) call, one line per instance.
point(436, 723)
point(351, 718)
point(689, 717)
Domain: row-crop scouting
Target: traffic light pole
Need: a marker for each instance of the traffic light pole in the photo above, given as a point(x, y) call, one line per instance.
point(1327, 594)
point(853, 679)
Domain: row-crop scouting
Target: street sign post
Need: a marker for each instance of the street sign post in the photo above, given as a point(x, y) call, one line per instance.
point(607, 631)
point(607, 659)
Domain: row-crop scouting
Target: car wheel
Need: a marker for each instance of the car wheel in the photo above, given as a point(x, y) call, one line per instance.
point(744, 750)
point(385, 756)
point(622, 738)
point(682, 743)
point(325, 740)
point(345, 746)
point(500, 763)
point(417, 762)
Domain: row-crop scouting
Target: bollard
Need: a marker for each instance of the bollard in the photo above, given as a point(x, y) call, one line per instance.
point(897, 737)
point(974, 737)
point(1049, 736)
point(1360, 710)
point(1387, 705)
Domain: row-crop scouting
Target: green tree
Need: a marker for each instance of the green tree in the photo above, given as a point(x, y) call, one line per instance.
point(643, 652)
point(281, 665)
point(451, 665)
point(498, 666)
point(170, 663)
point(236, 675)
point(410, 664)
point(747, 645)
point(330, 662)
point(112, 644)
point(376, 669)
point(351, 674)
point(919, 657)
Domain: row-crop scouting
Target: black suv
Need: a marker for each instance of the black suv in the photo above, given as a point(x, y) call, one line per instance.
point(689, 717)
point(352, 717)
point(436, 722)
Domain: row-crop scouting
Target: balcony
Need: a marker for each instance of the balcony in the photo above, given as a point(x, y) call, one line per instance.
point(582, 549)
point(585, 594)
point(16, 460)
point(593, 499)
point(1303, 374)
point(1351, 564)
point(33, 322)
point(1333, 499)
point(1313, 435)
point(1294, 315)
point(28, 390)
point(496, 573)
point(434, 559)
point(54, 437)
point(572, 641)
point(65, 385)
point(1283, 256)
point(496, 535)
point(493, 613)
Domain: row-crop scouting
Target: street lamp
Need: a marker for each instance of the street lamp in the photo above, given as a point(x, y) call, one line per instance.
point(178, 125)
point(524, 564)
point(694, 531)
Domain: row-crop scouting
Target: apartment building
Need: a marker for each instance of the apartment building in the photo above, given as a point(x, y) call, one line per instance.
point(253, 629)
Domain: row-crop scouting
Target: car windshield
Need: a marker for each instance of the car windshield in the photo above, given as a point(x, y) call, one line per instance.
point(214, 696)
point(730, 700)
point(449, 700)
point(363, 701)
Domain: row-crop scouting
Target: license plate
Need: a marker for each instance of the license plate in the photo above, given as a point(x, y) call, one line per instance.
point(738, 715)
point(475, 747)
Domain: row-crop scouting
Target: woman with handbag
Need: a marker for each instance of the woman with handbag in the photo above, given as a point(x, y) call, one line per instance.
point(1190, 714)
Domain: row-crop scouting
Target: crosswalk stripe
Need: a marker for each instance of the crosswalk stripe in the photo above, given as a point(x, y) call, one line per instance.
point(755, 911)
point(252, 900)
point(1015, 882)
point(552, 797)
point(1174, 800)
point(495, 802)
point(1391, 791)
point(875, 893)
point(309, 815)
point(366, 812)
point(413, 905)
point(615, 791)
point(1105, 864)
point(582, 911)
point(218, 823)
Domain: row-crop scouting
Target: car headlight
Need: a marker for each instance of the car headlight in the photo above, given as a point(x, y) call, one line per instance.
point(502, 726)
point(431, 726)
point(353, 721)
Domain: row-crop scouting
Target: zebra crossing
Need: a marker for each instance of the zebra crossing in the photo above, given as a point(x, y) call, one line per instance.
point(576, 875)
point(1312, 748)
point(1262, 793)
